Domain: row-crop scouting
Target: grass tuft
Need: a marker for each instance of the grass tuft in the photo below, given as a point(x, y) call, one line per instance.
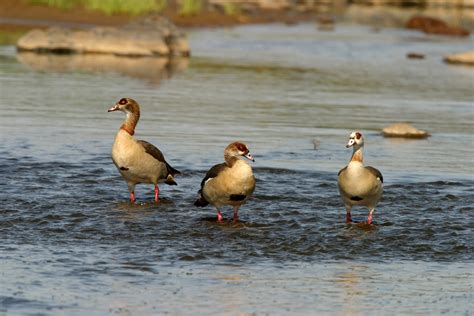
point(190, 7)
point(109, 7)
point(61, 4)
point(10, 37)
point(231, 9)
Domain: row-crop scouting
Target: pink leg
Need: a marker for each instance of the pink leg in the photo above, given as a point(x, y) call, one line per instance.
point(219, 216)
point(132, 197)
point(348, 215)
point(236, 216)
point(157, 193)
point(348, 218)
point(369, 218)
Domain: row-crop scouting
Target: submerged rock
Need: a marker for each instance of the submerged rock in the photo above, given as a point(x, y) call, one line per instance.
point(404, 130)
point(466, 58)
point(435, 26)
point(151, 36)
point(415, 56)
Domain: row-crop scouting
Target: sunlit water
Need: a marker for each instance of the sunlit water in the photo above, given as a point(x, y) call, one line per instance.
point(72, 244)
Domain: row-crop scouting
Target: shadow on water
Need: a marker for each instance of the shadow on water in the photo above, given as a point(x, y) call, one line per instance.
point(229, 223)
point(143, 205)
point(150, 69)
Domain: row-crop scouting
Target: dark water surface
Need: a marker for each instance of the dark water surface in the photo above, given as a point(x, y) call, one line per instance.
point(72, 244)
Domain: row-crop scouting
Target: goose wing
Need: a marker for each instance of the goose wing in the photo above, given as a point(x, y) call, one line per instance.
point(375, 172)
point(212, 173)
point(158, 155)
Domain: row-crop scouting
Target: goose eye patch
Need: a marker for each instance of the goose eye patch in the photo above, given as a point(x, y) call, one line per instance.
point(242, 147)
point(123, 101)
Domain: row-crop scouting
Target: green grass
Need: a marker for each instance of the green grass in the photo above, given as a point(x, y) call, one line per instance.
point(133, 7)
point(190, 7)
point(231, 9)
point(62, 4)
point(10, 37)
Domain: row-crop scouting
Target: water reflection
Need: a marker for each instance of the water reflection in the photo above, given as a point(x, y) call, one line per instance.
point(353, 291)
point(151, 69)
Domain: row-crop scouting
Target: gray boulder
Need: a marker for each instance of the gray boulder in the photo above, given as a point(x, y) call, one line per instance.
point(466, 58)
point(404, 130)
point(150, 36)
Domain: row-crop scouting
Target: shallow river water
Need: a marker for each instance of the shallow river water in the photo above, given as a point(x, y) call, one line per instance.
point(72, 244)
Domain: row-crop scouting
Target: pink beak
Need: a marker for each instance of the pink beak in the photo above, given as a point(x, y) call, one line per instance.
point(249, 157)
point(114, 108)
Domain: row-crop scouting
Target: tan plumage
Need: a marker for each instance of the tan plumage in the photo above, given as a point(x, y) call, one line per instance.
point(229, 183)
point(138, 161)
point(359, 185)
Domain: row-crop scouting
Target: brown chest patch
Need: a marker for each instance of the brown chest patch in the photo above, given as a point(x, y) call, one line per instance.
point(128, 129)
point(357, 156)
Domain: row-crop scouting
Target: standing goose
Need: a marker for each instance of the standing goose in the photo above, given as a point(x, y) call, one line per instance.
point(137, 160)
point(228, 183)
point(359, 185)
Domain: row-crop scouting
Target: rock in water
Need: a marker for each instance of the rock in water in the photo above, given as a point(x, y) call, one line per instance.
point(435, 26)
point(415, 56)
point(150, 36)
point(404, 130)
point(466, 58)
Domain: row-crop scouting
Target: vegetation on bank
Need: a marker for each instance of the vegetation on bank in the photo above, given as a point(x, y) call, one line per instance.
point(10, 37)
point(132, 7)
point(231, 8)
point(190, 7)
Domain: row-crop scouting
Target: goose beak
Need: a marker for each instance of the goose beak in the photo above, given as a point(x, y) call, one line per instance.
point(350, 143)
point(114, 108)
point(249, 157)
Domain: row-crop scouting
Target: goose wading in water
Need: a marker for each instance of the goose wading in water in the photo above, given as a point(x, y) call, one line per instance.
point(137, 160)
point(359, 185)
point(228, 183)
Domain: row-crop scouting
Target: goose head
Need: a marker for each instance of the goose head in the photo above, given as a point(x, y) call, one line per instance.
point(126, 105)
point(237, 149)
point(356, 140)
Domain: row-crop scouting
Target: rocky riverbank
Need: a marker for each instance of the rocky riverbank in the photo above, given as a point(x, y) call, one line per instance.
point(82, 31)
point(25, 15)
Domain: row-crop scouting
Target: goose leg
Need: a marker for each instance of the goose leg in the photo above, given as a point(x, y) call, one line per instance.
point(157, 193)
point(369, 218)
point(236, 216)
point(219, 215)
point(348, 215)
point(131, 189)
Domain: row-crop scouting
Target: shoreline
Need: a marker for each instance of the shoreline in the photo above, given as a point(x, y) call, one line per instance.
point(22, 16)
point(18, 17)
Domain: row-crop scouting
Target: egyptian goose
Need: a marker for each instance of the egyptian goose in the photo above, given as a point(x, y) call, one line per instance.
point(228, 183)
point(137, 160)
point(359, 185)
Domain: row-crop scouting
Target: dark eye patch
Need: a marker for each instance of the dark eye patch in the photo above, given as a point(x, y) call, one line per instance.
point(123, 101)
point(358, 135)
point(242, 147)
